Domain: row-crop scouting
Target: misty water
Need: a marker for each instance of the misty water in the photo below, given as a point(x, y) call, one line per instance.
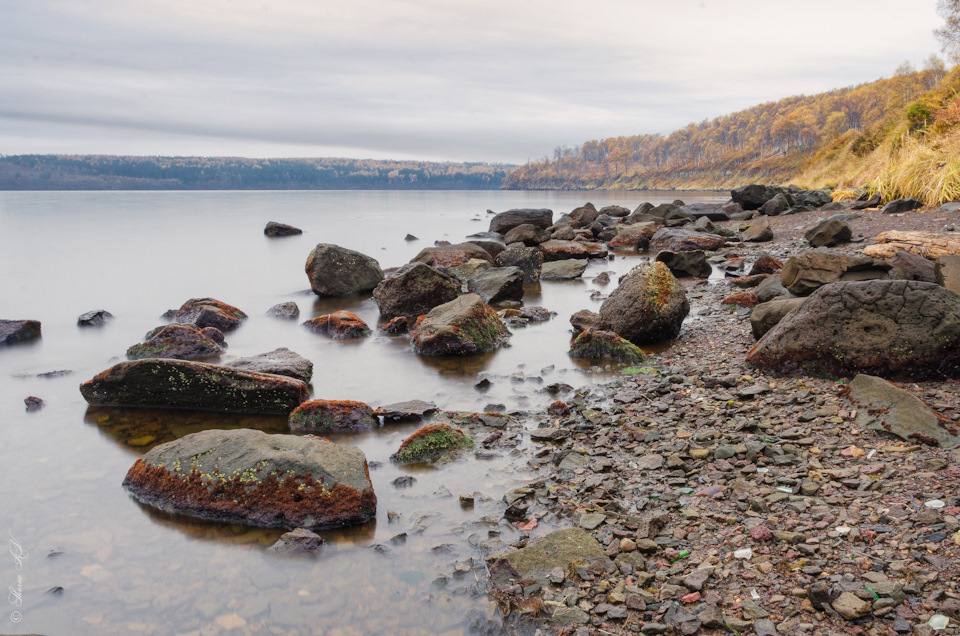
point(95, 561)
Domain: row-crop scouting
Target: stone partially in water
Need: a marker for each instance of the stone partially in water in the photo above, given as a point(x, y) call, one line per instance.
point(249, 477)
point(413, 291)
point(280, 361)
point(332, 416)
point(497, 284)
point(209, 312)
point(605, 345)
point(648, 306)
point(340, 325)
point(281, 229)
point(337, 271)
point(180, 342)
point(193, 385)
point(298, 540)
point(96, 318)
point(15, 331)
point(432, 442)
point(285, 311)
point(465, 326)
point(567, 269)
point(406, 411)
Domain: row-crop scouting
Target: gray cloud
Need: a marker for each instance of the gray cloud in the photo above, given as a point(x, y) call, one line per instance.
point(498, 81)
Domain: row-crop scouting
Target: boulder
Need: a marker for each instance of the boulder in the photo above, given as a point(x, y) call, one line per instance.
point(336, 271)
point(683, 264)
point(443, 257)
point(615, 210)
point(466, 271)
point(759, 231)
point(332, 416)
point(805, 273)
point(770, 288)
point(490, 247)
point(828, 233)
point(554, 250)
point(583, 320)
point(465, 326)
point(766, 315)
point(16, 331)
point(409, 411)
point(284, 311)
point(209, 312)
point(280, 361)
point(340, 325)
point(585, 215)
point(947, 272)
point(527, 234)
point(594, 344)
point(249, 477)
point(648, 306)
point(766, 264)
point(564, 233)
point(96, 318)
point(176, 341)
point(868, 202)
point(902, 205)
point(558, 549)
point(497, 284)
point(414, 290)
point(679, 240)
point(777, 205)
point(709, 211)
point(930, 245)
point(751, 197)
point(563, 270)
point(634, 236)
point(528, 259)
point(193, 385)
point(396, 327)
point(431, 443)
point(814, 198)
point(506, 221)
point(281, 229)
point(909, 266)
point(886, 408)
point(893, 328)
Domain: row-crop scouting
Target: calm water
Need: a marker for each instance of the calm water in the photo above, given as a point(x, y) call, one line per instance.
point(124, 568)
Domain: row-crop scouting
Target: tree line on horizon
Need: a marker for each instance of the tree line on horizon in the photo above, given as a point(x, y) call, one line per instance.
point(769, 142)
point(110, 172)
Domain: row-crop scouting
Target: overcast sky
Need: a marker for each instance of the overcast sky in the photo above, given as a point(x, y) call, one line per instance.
point(498, 80)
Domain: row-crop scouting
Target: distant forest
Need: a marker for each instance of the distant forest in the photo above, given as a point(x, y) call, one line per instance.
point(104, 172)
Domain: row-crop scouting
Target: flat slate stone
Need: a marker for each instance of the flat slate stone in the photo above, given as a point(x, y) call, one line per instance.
point(280, 361)
point(411, 410)
point(557, 549)
point(886, 408)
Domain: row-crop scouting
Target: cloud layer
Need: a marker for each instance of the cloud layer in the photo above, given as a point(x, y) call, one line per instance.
point(503, 80)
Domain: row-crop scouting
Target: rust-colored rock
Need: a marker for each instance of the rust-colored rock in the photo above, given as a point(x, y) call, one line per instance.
point(743, 299)
point(209, 312)
point(340, 325)
point(331, 416)
point(766, 264)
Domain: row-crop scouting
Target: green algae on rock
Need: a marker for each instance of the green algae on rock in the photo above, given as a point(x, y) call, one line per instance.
point(649, 305)
point(182, 342)
point(432, 442)
point(249, 477)
point(332, 416)
point(605, 345)
point(464, 326)
point(193, 385)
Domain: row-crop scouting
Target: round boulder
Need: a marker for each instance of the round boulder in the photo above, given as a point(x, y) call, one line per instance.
point(648, 306)
point(465, 326)
point(332, 416)
point(337, 271)
point(176, 341)
point(413, 291)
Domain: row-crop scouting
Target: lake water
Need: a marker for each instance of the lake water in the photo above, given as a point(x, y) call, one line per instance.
point(95, 561)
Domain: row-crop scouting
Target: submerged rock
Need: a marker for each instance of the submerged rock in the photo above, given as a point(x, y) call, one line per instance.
point(193, 385)
point(280, 361)
point(605, 345)
point(410, 410)
point(337, 271)
point(340, 325)
point(286, 311)
point(465, 326)
point(648, 306)
point(15, 331)
point(249, 477)
point(209, 312)
point(884, 407)
point(96, 318)
point(176, 341)
point(432, 442)
point(298, 540)
point(332, 416)
point(281, 229)
point(892, 328)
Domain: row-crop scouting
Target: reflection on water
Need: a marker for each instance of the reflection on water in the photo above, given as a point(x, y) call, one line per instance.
point(127, 568)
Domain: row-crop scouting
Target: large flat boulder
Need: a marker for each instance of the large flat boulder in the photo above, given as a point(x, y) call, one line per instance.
point(193, 385)
point(506, 221)
point(567, 269)
point(751, 197)
point(336, 271)
point(280, 361)
point(444, 257)
point(414, 290)
point(498, 284)
point(805, 273)
point(884, 407)
point(559, 549)
point(893, 328)
point(249, 477)
point(649, 305)
point(465, 326)
point(679, 240)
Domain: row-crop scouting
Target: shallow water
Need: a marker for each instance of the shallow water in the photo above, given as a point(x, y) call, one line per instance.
point(125, 568)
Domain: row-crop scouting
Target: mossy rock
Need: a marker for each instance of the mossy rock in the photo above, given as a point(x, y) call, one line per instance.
point(432, 442)
point(465, 326)
point(605, 345)
point(332, 416)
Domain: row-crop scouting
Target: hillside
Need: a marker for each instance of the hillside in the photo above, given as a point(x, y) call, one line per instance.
point(845, 138)
point(105, 172)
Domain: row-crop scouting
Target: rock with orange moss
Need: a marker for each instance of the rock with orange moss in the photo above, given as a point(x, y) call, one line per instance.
point(209, 312)
point(766, 264)
point(648, 306)
point(332, 416)
point(193, 385)
point(465, 326)
point(679, 240)
point(443, 257)
point(396, 327)
point(432, 442)
point(249, 477)
point(176, 341)
point(340, 325)
point(743, 299)
point(633, 236)
point(595, 344)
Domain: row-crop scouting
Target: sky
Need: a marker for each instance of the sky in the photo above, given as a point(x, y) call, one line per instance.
point(495, 81)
